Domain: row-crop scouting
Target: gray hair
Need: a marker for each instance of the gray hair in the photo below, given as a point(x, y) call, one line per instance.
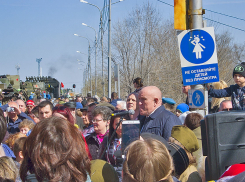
point(104, 111)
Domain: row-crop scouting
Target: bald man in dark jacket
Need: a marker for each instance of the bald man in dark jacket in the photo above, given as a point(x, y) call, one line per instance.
point(154, 117)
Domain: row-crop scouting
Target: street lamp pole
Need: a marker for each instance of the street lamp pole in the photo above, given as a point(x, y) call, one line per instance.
point(89, 61)
point(109, 51)
point(101, 30)
point(102, 54)
point(84, 83)
point(95, 56)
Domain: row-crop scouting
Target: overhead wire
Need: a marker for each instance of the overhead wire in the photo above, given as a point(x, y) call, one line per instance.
point(165, 3)
point(214, 20)
point(225, 15)
point(224, 24)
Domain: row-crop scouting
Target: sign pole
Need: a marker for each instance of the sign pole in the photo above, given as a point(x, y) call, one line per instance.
point(198, 55)
point(196, 22)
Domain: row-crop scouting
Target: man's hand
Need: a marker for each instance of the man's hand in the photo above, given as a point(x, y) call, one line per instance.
point(208, 86)
point(15, 106)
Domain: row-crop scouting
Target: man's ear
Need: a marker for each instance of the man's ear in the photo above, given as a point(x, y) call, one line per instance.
point(156, 101)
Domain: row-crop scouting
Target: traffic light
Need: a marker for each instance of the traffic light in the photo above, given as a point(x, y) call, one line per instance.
point(180, 14)
point(62, 85)
point(74, 85)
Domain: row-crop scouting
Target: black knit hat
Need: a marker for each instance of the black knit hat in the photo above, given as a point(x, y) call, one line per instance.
point(239, 69)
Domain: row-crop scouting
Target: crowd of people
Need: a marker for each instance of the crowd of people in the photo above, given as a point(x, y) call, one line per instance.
point(80, 139)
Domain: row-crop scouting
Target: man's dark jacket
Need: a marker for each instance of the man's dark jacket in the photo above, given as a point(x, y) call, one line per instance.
point(160, 123)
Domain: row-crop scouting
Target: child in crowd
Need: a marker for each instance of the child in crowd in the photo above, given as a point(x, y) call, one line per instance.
point(12, 138)
point(18, 147)
point(25, 126)
point(236, 92)
point(181, 108)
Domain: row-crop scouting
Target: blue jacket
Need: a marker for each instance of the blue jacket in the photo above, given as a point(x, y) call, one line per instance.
point(114, 102)
point(13, 127)
point(160, 123)
point(236, 93)
point(48, 96)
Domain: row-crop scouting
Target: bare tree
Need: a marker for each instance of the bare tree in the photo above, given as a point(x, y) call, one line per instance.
point(146, 46)
point(229, 54)
point(133, 41)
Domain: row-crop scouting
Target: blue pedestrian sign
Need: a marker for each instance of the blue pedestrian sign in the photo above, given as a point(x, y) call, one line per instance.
point(196, 98)
point(198, 56)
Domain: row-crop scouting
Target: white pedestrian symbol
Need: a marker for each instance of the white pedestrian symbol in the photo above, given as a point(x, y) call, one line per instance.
point(197, 98)
point(198, 47)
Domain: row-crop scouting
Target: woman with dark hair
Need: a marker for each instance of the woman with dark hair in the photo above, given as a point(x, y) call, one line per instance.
point(114, 145)
point(138, 84)
point(55, 151)
point(62, 111)
point(133, 104)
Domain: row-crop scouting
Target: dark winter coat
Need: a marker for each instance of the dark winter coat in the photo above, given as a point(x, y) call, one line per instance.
point(93, 145)
point(160, 123)
point(109, 157)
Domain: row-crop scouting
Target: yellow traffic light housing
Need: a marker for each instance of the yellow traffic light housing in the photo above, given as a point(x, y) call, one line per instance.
point(180, 14)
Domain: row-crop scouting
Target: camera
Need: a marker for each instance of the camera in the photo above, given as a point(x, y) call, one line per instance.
point(10, 109)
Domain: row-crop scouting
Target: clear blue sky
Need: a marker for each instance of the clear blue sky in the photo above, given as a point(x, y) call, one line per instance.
point(44, 29)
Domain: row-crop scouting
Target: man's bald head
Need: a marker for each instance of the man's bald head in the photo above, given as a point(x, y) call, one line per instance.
point(150, 98)
point(225, 105)
point(13, 104)
point(154, 91)
point(22, 105)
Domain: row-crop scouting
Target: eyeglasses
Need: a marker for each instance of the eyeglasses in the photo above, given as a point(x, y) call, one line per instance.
point(229, 109)
point(97, 120)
